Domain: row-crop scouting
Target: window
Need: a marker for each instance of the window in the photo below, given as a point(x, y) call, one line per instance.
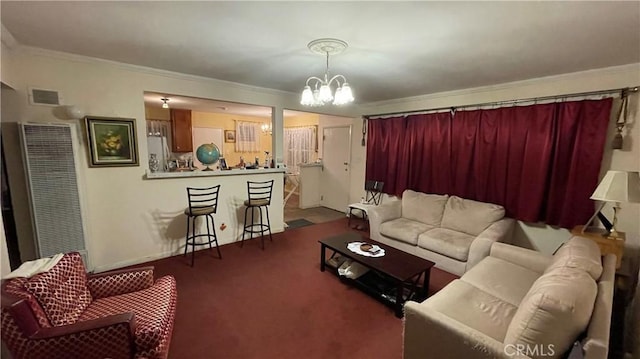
point(299, 146)
point(247, 136)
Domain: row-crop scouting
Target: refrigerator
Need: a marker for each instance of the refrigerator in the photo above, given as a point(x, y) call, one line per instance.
point(159, 146)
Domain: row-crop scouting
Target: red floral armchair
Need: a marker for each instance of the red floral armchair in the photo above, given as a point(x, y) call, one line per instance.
point(67, 313)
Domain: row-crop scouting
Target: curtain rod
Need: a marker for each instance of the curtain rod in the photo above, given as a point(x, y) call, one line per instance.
point(532, 99)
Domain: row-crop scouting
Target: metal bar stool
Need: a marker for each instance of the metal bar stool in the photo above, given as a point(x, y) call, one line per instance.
point(259, 196)
point(202, 202)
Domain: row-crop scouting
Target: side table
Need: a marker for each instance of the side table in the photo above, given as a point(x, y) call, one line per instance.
point(607, 244)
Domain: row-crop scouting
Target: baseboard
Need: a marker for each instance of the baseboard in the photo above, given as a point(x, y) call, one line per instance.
point(162, 255)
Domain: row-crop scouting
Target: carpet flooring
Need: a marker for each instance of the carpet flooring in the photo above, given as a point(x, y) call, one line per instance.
point(275, 303)
point(297, 223)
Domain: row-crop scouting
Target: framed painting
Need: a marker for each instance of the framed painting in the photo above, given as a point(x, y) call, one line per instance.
point(112, 141)
point(229, 136)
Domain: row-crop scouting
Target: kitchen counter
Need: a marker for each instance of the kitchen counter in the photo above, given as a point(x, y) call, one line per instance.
point(200, 173)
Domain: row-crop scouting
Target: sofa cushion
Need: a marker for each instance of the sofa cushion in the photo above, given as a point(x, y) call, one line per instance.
point(581, 253)
point(62, 291)
point(152, 307)
point(555, 311)
point(403, 229)
point(471, 217)
point(422, 207)
point(449, 243)
point(502, 279)
point(473, 307)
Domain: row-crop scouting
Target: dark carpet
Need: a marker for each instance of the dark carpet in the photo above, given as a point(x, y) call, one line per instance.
point(275, 303)
point(297, 223)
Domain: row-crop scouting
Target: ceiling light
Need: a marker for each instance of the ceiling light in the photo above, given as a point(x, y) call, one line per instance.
point(321, 93)
point(164, 102)
point(266, 128)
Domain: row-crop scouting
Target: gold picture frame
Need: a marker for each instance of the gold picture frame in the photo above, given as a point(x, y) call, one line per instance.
point(230, 136)
point(112, 141)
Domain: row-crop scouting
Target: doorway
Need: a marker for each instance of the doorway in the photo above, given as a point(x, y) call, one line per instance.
point(8, 218)
point(336, 154)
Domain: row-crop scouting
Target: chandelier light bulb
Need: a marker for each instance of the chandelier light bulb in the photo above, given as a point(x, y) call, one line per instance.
point(325, 93)
point(307, 97)
point(338, 98)
point(347, 95)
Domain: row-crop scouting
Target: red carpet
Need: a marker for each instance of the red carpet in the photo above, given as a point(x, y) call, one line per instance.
point(277, 304)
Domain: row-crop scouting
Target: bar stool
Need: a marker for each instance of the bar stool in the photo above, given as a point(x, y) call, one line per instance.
point(259, 194)
point(202, 202)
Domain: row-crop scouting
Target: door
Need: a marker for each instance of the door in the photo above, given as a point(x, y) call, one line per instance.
point(336, 158)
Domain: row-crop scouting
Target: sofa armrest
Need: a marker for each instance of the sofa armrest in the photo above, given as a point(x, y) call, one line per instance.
point(122, 281)
point(107, 337)
point(523, 257)
point(596, 344)
point(382, 213)
point(431, 334)
point(499, 231)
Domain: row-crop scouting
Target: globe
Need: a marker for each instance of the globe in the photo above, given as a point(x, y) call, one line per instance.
point(208, 154)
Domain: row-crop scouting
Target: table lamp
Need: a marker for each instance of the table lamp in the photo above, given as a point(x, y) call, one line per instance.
point(618, 186)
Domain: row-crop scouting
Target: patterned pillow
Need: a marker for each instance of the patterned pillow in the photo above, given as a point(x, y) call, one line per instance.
point(62, 291)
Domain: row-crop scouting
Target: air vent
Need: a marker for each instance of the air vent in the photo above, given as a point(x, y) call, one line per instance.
point(44, 97)
point(50, 163)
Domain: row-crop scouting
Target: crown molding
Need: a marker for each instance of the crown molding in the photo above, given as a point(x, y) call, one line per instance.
point(635, 67)
point(37, 51)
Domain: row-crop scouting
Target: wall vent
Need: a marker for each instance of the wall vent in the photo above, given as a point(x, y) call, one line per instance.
point(44, 97)
point(50, 165)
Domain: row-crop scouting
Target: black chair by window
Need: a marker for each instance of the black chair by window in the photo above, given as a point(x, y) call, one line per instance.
point(202, 202)
point(259, 196)
point(372, 198)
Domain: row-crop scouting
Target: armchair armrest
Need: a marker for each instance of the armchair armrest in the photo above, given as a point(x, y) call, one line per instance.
point(107, 337)
point(499, 231)
point(523, 257)
point(382, 213)
point(122, 281)
point(431, 334)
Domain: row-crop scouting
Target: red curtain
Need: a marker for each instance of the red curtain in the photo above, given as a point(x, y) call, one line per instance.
point(540, 162)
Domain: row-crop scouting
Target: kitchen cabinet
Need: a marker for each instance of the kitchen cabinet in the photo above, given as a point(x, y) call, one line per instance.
point(182, 141)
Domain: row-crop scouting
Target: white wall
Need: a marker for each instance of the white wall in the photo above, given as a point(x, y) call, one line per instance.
point(130, 219)
point(542, 237)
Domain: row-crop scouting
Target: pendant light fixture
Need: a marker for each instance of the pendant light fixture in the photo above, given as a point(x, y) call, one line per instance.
point(317, 91)
point(164, 102)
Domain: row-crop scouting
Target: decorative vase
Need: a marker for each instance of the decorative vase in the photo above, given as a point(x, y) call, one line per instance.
point(154, 164)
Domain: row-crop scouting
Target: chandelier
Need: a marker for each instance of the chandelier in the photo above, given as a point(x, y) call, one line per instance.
point(322, 92)
point(266, 128)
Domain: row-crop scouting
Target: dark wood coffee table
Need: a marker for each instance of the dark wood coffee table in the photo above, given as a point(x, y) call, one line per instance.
point(400, 269)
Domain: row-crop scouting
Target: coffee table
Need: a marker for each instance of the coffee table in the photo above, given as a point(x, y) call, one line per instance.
point(400, 269)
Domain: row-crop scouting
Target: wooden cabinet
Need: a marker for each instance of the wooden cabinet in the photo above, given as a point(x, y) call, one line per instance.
point(181, 140)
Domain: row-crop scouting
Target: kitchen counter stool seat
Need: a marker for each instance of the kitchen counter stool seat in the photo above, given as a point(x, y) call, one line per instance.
point(259, 194)
point(202, 202)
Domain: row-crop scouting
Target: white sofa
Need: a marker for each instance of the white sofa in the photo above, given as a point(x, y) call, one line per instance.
point(452, 232)
point(518, 303)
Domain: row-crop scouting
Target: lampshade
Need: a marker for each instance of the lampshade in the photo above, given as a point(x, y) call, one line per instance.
point(618, 186)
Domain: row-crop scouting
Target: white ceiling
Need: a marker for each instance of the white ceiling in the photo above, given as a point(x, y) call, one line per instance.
point(396, 49)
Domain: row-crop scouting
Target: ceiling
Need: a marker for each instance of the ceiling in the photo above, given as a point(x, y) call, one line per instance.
point(396, 49)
